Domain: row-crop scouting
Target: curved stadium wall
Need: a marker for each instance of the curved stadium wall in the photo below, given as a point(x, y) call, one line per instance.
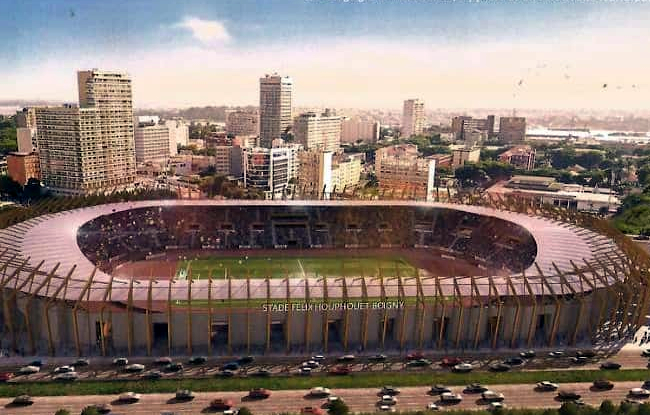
point(541, 277)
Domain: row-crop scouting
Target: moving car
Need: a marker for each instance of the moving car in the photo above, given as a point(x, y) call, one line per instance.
point(418, 363)
point(568, 395)
point(499, 367)
point(245, 360)
point(305, 371)
point(579, 360)
point(346, 358)
point(230, 366)
point(221, 404)
point(81, 362)
point(491, 396)
point(646, 384)
point(514, 361)
point(63, 369)
point(496, 405)
point(259, 393)
point(184, 395)
point(389, 390)
point(475, 388)
point(432, 407)
point(129, 397)
point(639, 393)
point(603, 384)
point(528, 354)
point(312, 364)
point(463, 368)
point(319, 392)
point(556, 354)
point(546, 386)
point(23, 400)
point(174, 367)
point(610, 365)
point(438, 389)
point(134, 368)
point(318, 357)
point(450, 398)
point(386, 408)
point(388, 400)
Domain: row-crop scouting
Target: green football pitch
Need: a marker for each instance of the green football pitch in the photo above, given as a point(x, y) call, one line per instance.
point(295, 267)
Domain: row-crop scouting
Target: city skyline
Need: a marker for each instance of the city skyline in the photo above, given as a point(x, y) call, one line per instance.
point(450, 54)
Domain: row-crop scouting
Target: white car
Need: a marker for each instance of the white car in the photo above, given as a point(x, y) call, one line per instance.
point(433, 407)
point(496, 405)
point(320, 392)
point(134, 368)
point(463, 368)
point(449, 397)
point(318, 357)
point(386, 408)
point(312, 364)
point(63, 369)
point(230, 412)
point(388, 400)
point(29, 370)
point(305, 371)
point(639, 393)
point(67, 376)
point(547, 386)
point(129, 397)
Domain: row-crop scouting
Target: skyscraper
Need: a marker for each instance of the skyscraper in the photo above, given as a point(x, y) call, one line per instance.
point(275, 107)
point(412, 118)
point(89, 148)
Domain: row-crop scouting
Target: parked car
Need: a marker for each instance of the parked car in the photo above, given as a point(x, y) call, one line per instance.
point(566, 395)
point(475, 388)
point(499, 367)
point(589, 354)
point(579, 360)
point(226, 373)
point(514, 361)
point(491, 396)
point(184, 395)
point(418, 363)
point(319, 392)
point(318, 357)
point(197, 360)
point(259, 393)
point(162, 361)
point(463, 368)
point(129, 397)
point(37, 363)
point(245, 360)
point(346, 358)
point(174, 367)
point(134, 368)
point(450, 361)
point(63, 369)
point(23, 400)
point(261, 373)
point(152, 375)
point(438, 389)
point(312, 364)
point(528, 354)
point(305, 371)
point(610, 365)
point(221, 404)
point(377, 358)
point(230, 366)
point(546, 386)
point(67, 377)
point(121, 361)
point(603, 384)
point(556, 354)
point(28, 370)
point(81, 362)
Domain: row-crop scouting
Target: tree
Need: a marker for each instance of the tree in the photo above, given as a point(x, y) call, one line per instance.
point(10, 187)
point(338, 407)
point(568, 408)
point(607, 408)
point(62, 412)
point(470, 175)
point(244, 411)
point(90, 410)
point(644, 409)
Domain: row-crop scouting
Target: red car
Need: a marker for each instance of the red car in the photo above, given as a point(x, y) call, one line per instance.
point(6, 376)
point(221, 404)
point(415, 356)
point(312, 410)
point(259, 393)
point(450, 361)
point(340, 370)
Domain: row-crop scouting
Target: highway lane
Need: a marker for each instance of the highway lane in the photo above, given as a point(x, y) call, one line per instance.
point(411, 398)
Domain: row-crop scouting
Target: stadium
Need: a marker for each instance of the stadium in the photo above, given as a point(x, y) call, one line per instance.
point(225, 277)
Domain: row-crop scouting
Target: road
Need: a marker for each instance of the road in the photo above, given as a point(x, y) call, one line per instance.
point(411, 398)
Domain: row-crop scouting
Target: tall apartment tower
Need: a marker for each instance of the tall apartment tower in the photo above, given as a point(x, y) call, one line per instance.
point(275, 107)
point(89, 148)
point(412, 118)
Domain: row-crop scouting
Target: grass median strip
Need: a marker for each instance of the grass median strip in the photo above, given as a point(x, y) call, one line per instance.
point(356, 380)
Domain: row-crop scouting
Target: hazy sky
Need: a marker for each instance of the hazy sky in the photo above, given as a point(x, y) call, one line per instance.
point(371, 53)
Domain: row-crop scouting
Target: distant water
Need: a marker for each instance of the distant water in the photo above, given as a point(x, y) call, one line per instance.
point(601, 135)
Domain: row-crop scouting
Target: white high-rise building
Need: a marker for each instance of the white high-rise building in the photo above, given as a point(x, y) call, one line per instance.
point(152, 142)
point(89, 148)
point(275, 107)
point(179, 134)
point(269, 169)
point(321, 132)
point(324, 172)
point(412, 118)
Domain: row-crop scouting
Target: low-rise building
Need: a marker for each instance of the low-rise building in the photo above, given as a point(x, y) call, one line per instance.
point(522, 157)
point(355, 129)
point(512, 129)
point(401, 172)
point(548, 190)
point(268, 170)
point(324, 172)
point(442, 160)
point(242, 123)
point(460, 156)
point(23, 166)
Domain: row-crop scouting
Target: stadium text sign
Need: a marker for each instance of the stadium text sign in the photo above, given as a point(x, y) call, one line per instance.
point(333, 306)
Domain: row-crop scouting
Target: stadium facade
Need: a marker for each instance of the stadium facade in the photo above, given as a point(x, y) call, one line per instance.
point(543, 277)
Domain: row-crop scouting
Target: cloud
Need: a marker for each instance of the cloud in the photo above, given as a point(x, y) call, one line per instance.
point(206, 31)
